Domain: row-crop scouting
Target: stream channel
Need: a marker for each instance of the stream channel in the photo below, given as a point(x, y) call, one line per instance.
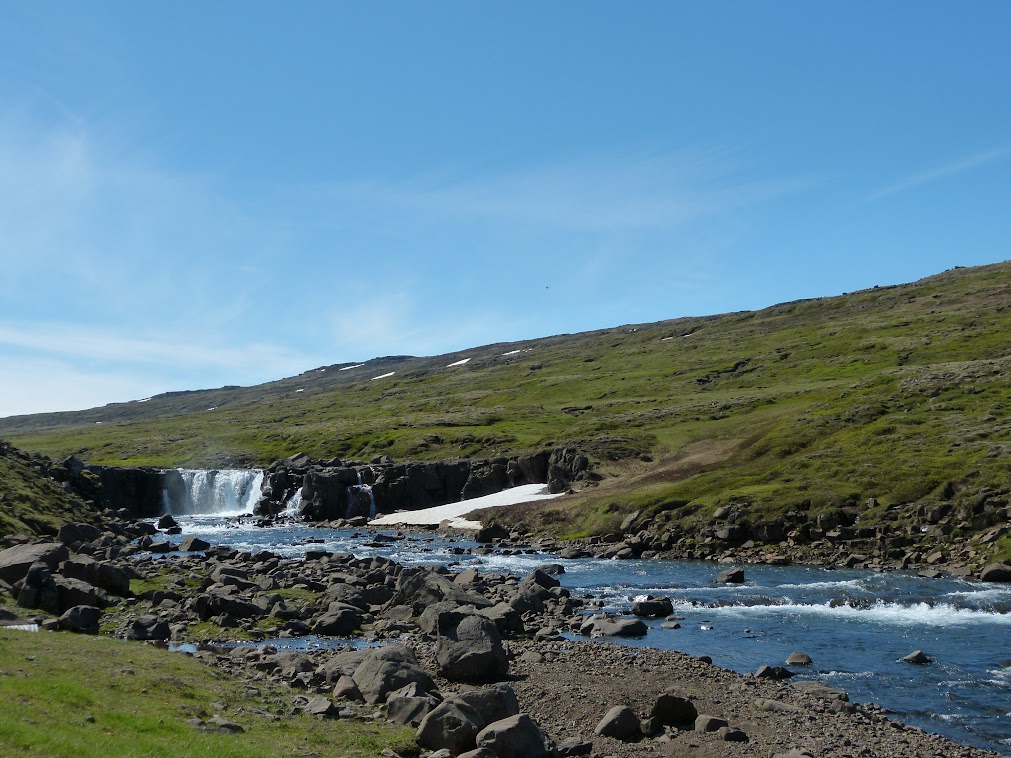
point(856, 625)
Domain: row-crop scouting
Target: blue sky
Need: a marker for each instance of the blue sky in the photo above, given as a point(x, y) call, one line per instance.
point(199, 194)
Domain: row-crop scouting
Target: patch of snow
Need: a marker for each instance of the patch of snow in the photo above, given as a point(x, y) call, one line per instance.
point(98, 422)
point(512, 352)
point(323, 370)
point(459, 363)
point(144, 400)
point(213, 408)
point(453, 512)
point(301, 390)
point(666, 338)
point(382, 376)
point(348, 368)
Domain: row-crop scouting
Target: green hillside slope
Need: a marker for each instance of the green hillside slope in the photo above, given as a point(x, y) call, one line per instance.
point(896, 393)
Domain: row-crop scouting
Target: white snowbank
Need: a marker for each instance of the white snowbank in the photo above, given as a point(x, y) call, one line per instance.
point(348, 368)
point(512, 352)
point(382, 376)
point(454, 511)
point(459, 363)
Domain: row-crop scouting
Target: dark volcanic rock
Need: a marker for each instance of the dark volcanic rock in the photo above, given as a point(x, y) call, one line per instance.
point(469, 648)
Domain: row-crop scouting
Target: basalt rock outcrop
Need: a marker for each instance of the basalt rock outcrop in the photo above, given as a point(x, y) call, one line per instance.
point(337, 489)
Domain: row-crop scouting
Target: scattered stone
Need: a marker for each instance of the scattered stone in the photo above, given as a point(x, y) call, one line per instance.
point(798, 659)
point(673, 709)
point(469, 648)
point(731, 734)
point(776, 673)
point(918, 657)
point(149, 628)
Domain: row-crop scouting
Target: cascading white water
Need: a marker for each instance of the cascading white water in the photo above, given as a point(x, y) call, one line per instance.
point(361, 499)
point(224, 492)
point(293, 508)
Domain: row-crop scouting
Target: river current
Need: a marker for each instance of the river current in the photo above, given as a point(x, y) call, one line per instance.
point(855, 625)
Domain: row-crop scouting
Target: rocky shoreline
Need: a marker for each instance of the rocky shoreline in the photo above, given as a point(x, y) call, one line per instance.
point(467, 658)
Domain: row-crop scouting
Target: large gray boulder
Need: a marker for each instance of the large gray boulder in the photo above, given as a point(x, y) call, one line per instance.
point(104, 575)
point(621, 723)
point(425, 587)
point(388, 669)
point(673, 709)
point(516, 736)
point(452, 725)
point(15, 561)
point(731, 576)
point(77, 592)
point(494, 703)
point(149, 628)
point(608, 626)
point(82, 619)
point(469, 648)
point(77, 534)
point(338, 622)
point(996, 572)
point(653, 607)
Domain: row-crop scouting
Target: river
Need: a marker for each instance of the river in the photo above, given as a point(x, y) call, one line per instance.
point(855, 625)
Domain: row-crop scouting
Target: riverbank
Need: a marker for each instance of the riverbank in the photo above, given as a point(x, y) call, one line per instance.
point(309, 606)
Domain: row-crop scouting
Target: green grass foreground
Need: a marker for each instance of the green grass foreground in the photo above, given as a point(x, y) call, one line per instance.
point(72, 695)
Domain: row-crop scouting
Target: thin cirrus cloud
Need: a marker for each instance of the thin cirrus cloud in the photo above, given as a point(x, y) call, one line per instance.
point(73, 342)
point(594, 195)
point(939, 173)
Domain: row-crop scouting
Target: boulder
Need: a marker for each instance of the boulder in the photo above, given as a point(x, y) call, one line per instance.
point(469, 648)
point(338, 623)
point(388, 669)
point(494, 703)
point(516, 736)
point(731, 576)
point(776, 673)
point(78, 534)
point(706, 723)
point(149, 628)
point(39, 590)
point(621, 723)
point(653, 607)
point(918, 657)
point(194, 544)
point(15, 561)
point(103, 575)
point(425, 587)
point(673, 709)
point(607, 626)
point(995, 572)
point(452, 725)
point(82, 619)
point(346, 689)
point(321, 707)
point(798, 659)
point(77, 592)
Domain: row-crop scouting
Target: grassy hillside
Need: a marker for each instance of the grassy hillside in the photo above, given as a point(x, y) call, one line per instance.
point(896, 393)
point(33, 499)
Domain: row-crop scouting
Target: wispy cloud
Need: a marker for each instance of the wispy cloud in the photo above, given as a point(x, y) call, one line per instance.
point(941, 172)
point(593, 195)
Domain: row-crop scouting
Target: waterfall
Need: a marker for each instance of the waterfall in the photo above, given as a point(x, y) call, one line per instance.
point(361, 501)
point(293, 508)
point(228, 492)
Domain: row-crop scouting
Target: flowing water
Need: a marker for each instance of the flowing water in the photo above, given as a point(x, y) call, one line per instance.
point(855, 625)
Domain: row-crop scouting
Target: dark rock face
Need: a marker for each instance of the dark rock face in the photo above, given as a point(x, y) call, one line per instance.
point(731, 576)
point(150, 628)
point(996, 572)
point(103, 575)
point(139, 490)
point(653, 608)
point(672, 709)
